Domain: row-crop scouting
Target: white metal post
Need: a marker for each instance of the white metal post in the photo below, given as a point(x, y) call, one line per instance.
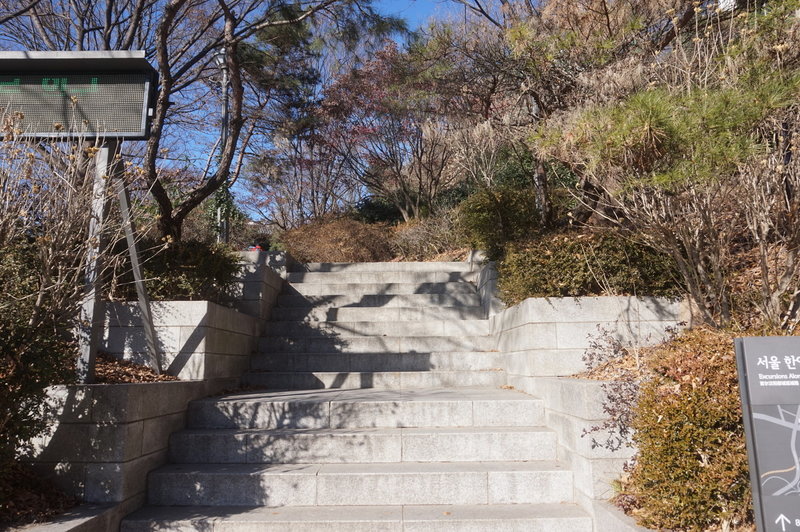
point(92, 314)
point(138, 278)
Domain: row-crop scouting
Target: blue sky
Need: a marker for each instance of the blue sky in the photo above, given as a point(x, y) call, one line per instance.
point(416, 12)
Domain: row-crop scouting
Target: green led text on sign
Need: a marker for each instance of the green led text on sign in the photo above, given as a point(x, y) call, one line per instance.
point(55, 103)
point(54, 84)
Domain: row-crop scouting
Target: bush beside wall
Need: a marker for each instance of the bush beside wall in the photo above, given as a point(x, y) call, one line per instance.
point(691, 471)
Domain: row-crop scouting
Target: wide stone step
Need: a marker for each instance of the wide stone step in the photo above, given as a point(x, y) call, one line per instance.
point(380, 344)
point(346, 329)
point(411, 518)
point(400, 483)
point(382, 380)
point(456, 444)
point(449, 407)
point(347, 277)
point(376, 313)
point(386, 267)
point(357, 362)
point(368, 289)
point(325, 301)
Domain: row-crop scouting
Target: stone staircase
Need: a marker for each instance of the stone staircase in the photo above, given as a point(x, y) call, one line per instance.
point(377, 405)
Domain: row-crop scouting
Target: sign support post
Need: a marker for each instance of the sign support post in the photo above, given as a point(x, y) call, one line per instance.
point(108, 96)
point(92, 317)
point(141, 291)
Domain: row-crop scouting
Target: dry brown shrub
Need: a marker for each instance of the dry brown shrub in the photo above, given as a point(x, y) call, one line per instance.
point(429, 238)
point(691, 471)
point(339, 240)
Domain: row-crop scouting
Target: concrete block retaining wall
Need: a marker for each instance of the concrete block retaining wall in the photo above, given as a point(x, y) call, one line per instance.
point(201, 339)
point(108, 437)
point(542, 341)
point(260, 282)
point(549, 336)
point(196, 339)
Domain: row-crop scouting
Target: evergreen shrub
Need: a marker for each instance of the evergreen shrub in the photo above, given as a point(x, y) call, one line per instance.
point(491, 218)
point(186, 270)
point(691, 472)
point(31, 358)
point(574, 264)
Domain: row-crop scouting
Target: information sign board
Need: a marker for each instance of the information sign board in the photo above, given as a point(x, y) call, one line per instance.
point(769, 378)
point(78, 94)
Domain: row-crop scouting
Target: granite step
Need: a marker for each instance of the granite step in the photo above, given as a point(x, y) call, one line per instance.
point(347, 329)
point(369, 289)
point(386, 267)
point(370, 445)
point(371, 362)
point(382, 380)
point(411, 518)
point(377, 313)
point(351, 277)
point(376, 484)
point(378, 300)
point(327, 342)
point(335, 408)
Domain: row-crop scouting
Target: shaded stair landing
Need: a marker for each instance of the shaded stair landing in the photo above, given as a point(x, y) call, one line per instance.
point(382, 410)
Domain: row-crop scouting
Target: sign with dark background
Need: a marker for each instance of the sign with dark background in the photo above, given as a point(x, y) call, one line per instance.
point(62, 102)
point(769, 377)
point(78, 94)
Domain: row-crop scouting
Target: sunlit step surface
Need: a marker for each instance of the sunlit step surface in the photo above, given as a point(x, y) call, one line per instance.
point(330, 343)
point(428, 518)
point(371, 362)
point(462, 444)
point(385, 380)
point(378, 300)
point(346, 329)
point(364, 408)
point(380, 277)
point(377, 484)
point(370, 289)
point(378, 313)
point(387, 267)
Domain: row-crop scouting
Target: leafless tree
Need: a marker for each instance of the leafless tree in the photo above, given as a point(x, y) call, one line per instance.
point(180, 37)
point(298, 180)
point(46, 198)
point(404, 161)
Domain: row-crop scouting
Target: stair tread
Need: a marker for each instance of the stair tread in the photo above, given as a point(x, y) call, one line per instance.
point(367, 430)
point(354, 514)
point(438, 276)
point(384, 266)
point(372, 468)
point(297, 301)
point(378, 289)
point(343, 328)
point(367, 354)
point(477, 393)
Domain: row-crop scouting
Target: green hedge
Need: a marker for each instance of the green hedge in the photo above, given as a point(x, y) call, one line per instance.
point(574, 264)
point(186, 270)
point(489, 219)
point(691, 472)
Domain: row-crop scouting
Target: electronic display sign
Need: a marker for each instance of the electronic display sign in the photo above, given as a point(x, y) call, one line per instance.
point(78, 94)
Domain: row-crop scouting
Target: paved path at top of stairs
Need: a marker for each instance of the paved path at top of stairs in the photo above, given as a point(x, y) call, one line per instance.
point(375, 402)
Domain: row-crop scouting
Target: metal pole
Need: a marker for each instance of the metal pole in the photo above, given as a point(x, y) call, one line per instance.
point(92, 314)
point(138, 279)
point(224, 229)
